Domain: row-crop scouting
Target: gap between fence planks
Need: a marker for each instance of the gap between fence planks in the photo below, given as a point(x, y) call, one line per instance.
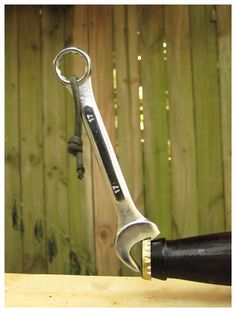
point(92, 291)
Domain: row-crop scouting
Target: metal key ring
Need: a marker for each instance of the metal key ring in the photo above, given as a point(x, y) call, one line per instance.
point(58, 59)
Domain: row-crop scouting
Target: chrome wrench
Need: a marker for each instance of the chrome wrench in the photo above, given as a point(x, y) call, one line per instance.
point(133, 227)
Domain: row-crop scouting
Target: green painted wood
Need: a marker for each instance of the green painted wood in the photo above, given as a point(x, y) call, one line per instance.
point(43, 196)
point(154, 81)
point(55, 144)
point(127, 84)
point(31, 139)
point(127, 75)
point(207, 120)
point(13, 213)
point(100, 50)
point(80, 193)
point(181, 123)
point(223, 14)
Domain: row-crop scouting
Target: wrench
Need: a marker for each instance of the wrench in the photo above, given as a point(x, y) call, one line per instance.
point(133, 227)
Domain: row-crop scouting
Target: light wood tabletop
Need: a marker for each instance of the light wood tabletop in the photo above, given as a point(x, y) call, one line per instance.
point(34, 290)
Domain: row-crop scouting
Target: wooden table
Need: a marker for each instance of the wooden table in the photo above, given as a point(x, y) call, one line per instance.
point(27, 290)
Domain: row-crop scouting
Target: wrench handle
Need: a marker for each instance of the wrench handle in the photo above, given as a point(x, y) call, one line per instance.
point(205, 258)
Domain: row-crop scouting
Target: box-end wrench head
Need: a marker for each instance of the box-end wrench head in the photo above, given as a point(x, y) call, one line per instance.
point(133, 227)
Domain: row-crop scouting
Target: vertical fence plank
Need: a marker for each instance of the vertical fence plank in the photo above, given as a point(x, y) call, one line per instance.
point(224, 50)
point(55, 145)
point(207, 120)
point(157, 175)
point(13, 239)
point(80, 193)
point(127, 77)
point(100, 47)
point(181, 121)
point(31, 141)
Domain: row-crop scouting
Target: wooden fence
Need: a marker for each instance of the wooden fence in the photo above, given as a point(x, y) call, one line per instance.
point(161, 78)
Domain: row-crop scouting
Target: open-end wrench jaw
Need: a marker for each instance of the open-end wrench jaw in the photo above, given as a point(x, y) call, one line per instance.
point(133, 227)
point(129, 236)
